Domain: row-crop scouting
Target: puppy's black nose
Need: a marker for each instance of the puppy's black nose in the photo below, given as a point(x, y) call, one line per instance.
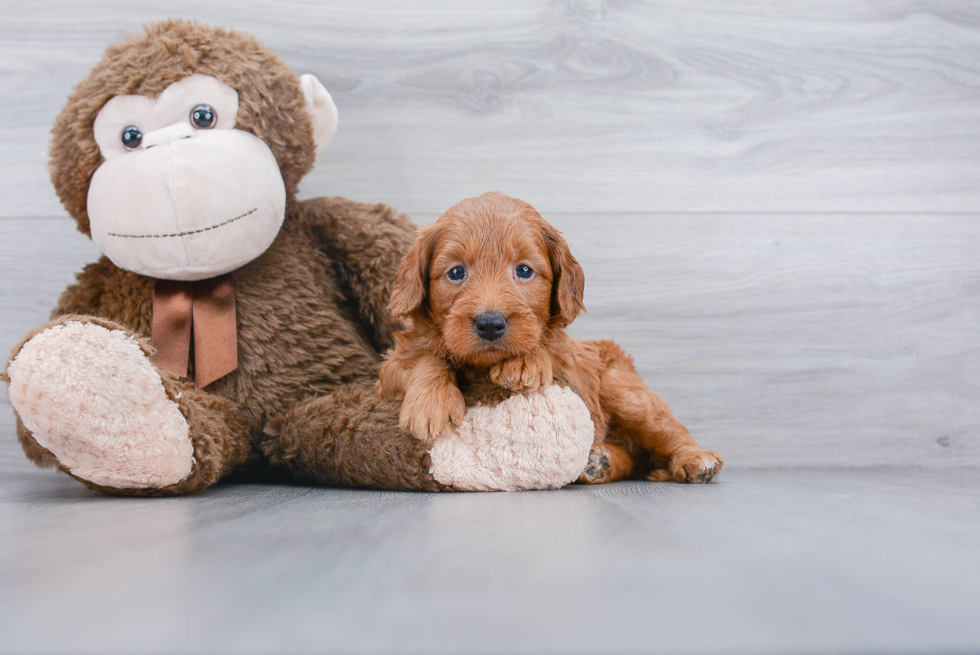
point(490, 325)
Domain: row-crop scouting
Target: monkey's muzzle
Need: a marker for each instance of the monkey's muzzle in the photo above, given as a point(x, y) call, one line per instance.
point(187, 208)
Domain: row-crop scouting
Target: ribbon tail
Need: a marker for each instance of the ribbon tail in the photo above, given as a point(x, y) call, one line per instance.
point(171, 327)
point(215, 330)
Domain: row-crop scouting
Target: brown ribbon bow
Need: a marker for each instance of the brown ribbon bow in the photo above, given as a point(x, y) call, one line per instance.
point(205, 309)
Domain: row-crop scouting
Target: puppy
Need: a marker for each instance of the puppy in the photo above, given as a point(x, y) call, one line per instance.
point(486, 292)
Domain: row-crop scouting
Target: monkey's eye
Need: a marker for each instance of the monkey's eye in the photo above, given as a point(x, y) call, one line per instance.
point(132, 138)
point(524, 272)
point(203, 117)
point(457, 274)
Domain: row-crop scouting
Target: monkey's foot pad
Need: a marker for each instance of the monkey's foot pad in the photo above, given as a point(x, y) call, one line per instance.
point(91, 397)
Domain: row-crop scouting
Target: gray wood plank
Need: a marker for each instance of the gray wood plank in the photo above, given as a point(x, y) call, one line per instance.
point(577, 106)
point(765, 561)
point(797, 340)
point(779, 340)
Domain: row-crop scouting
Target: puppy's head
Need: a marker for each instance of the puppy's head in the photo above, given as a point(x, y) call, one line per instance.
point(492, 276)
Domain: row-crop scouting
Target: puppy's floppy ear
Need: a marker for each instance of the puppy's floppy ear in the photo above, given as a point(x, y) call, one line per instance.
point(568, 285)
point(408, 294)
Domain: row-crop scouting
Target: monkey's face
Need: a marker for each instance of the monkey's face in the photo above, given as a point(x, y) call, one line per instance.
point(182, 194)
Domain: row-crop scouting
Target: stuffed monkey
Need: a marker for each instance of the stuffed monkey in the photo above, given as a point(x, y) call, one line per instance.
point(229, 324)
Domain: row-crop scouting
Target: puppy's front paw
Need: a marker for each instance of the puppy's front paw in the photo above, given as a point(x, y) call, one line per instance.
point(525, 373)
point(699, 466)
point(430, 411)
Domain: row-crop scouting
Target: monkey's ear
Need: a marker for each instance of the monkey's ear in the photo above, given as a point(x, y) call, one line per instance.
point(323, 112)
point(408, 293)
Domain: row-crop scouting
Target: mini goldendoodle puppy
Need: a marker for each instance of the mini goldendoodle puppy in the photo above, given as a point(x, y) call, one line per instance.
point(486, 292)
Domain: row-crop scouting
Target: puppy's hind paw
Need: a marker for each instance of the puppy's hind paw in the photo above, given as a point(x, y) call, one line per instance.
point(697, 467)
point(598, 468)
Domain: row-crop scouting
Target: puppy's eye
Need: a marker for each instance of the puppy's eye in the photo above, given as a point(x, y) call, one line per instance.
point(203, 117)
point(132, 137)
point(457, 274)
point(524, 272)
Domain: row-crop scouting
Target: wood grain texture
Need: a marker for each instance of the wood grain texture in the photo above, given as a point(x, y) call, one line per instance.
point(779, 340)
point(584, 105)
point(767, 561)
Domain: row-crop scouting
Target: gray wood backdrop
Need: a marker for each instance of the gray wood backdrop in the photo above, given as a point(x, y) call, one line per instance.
point(776, 203)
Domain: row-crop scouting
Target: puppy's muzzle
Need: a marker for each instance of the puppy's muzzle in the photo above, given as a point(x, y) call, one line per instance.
point(490, 326)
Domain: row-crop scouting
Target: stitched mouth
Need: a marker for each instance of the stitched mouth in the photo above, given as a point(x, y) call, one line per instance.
point(183, 234)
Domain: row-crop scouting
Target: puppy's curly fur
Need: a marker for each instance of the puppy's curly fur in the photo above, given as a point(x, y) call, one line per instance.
point(486, 293)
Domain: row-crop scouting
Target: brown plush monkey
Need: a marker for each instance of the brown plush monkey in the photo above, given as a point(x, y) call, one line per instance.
point(230, 324)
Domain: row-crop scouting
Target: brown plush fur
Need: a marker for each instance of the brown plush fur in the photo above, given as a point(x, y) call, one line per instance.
point(489, 237)
point(312, 310)
point(350, 438)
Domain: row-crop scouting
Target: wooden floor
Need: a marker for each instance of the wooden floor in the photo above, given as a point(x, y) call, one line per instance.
point(777, 205)
point(765, 561)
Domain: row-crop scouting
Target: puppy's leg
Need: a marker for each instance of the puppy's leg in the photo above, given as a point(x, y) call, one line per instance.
point(395, 374)
point(650, 423)
point(433, 403)
point(608, 462)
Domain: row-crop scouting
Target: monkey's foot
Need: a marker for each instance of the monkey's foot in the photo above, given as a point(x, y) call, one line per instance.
point(91, 397)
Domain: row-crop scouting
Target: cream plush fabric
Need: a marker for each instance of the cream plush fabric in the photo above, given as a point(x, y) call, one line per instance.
point(90, 396)
point(538, 441)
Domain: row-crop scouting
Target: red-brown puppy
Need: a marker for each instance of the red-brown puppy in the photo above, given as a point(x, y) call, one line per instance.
point(488, 290)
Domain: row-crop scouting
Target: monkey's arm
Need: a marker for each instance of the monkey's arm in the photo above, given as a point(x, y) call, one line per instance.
point(366, 244)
